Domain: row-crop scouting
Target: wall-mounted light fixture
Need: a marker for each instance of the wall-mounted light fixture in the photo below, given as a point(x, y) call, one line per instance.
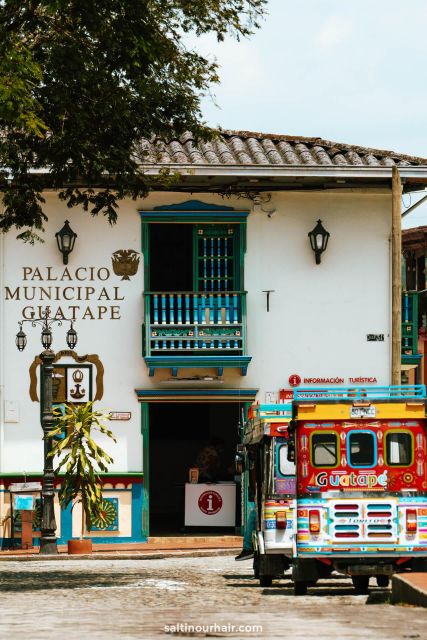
point(319, 240)
point(66, 239)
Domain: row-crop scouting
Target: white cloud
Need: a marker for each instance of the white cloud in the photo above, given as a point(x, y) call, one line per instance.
point(334, 31)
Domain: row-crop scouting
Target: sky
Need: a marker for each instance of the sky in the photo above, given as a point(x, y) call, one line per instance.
point(345, 70)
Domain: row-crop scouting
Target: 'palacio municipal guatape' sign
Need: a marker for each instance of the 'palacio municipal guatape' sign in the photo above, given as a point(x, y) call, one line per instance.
point(82, 293)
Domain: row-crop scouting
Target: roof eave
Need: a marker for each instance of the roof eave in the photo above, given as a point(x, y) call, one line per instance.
point(286, 171)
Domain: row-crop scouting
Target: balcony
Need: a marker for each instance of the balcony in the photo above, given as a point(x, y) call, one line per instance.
point(189, 329)
point(410, 353)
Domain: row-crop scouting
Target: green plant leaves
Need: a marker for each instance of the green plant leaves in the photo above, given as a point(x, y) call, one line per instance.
point(83, 459)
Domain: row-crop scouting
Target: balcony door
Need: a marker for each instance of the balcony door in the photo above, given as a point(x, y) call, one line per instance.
point(193, 258)
point(170, 257)
point(215, 249)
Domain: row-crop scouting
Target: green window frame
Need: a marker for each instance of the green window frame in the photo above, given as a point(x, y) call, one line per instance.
point(210, 218)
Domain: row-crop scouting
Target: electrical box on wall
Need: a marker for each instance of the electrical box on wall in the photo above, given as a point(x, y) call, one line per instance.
point(11, 411)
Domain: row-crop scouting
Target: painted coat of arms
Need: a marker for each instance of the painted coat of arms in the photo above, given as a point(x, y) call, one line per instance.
point(125, 263)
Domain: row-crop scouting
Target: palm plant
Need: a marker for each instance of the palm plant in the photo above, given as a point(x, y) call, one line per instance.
point(83, 460)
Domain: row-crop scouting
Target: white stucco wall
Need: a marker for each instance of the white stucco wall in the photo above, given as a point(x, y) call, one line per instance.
point(319, 315)
point(317, 325)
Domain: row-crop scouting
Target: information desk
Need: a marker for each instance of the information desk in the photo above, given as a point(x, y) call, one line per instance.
point(210, 504)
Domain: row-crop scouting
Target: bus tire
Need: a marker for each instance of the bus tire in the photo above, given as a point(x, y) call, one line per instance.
point(360, 583)
point(265, 581)
point(256, 565)
point(383, 581)
point(300, 588)
point(419, 565)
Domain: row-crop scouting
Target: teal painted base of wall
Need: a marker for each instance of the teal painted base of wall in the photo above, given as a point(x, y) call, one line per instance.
point(137, 509)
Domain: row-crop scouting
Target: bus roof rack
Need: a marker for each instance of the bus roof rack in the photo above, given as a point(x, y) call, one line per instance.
point(351, 394)
point(260, 411)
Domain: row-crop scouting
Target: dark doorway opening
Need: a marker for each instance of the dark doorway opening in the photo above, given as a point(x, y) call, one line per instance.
point(171, 257)
point(178, 432)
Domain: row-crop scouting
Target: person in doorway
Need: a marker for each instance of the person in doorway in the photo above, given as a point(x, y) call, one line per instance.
point(210, 461)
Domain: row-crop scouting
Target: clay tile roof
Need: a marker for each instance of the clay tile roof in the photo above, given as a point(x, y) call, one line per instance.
point(251, 148)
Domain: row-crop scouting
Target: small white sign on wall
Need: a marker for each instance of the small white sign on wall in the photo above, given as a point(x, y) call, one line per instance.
point(120, 415)
point(271, 397)
point(11, 411)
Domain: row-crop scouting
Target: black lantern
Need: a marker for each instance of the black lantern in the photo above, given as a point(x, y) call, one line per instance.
point(21, 340)
point(319, 240)
point(66, 239)
point(71, 337)
point(46, 338)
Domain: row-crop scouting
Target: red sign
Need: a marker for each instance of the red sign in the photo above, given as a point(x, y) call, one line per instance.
point(294, 380)
point(210, 502)
point(286, 394)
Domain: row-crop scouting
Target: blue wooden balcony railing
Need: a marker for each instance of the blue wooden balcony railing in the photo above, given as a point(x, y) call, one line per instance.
point(409, 324)
point(182, 326)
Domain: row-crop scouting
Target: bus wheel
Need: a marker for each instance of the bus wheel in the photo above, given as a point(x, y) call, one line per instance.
point(300, 588)
point(256, 565)
point(419, 565)
point(383, 581)
point(360, 583)
point(265, 581)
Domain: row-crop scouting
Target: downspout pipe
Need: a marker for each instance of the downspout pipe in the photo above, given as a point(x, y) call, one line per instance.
point(396, 277)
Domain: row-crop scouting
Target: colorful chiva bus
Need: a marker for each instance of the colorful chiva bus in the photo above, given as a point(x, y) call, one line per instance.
point(271, 484)
point(361, 483)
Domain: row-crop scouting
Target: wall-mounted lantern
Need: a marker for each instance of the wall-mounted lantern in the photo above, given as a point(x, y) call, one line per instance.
point(319, 240)
point(66, 239)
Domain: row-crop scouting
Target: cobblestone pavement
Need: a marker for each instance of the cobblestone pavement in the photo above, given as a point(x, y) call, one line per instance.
point(133, 599)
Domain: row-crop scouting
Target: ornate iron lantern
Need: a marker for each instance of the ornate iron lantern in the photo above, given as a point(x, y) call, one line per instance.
point(21, 339)
point(66, 239)
point(71, 337)
point(319, 240)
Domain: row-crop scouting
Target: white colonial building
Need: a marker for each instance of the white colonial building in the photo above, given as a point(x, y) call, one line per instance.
point(200, 300)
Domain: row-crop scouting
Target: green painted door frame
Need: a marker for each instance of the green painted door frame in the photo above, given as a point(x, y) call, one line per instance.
point(145, 431)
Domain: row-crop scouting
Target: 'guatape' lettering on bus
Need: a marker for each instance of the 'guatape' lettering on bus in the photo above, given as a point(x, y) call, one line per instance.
point(364, 481)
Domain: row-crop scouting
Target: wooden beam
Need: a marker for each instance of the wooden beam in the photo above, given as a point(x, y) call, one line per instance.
point(396, 275)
